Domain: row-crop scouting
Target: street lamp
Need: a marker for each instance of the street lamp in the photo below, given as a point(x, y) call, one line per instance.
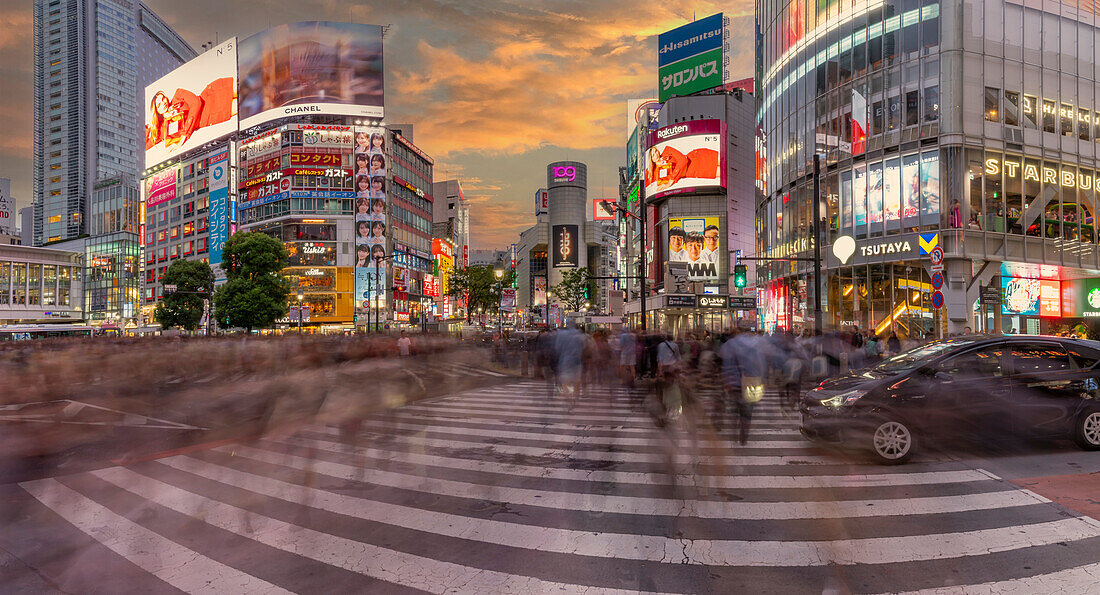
point(300, 296)
point(499, 272)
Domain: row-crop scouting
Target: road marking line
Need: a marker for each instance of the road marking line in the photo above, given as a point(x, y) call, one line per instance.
point(626, 545)
point(744, 482)
point(648, 506)
point(364, 558)
point(169, 561)
point(1081, 580)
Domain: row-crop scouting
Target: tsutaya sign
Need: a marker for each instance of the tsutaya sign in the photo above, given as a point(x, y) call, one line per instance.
point(844, 247)
point(1040, 172)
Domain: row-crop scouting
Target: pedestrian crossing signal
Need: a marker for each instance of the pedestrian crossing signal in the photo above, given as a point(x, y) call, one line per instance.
point(740, 276)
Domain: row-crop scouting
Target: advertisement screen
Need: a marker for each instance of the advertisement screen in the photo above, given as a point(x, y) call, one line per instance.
point(891, 193)
point(538, 291)
point(1020, 296)
point(311, 68)
point(192, 105)
point(859, 194)
point(160, 187)
point(930, 188)
point(1050, 298)
point(566, 248)
point(218, 179)
point(685, 157)
point(1081, 298)
point(698, 242)
point(874, 194)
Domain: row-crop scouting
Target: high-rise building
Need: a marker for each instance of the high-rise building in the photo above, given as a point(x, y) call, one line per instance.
point(92, 61)
point(451, 218)
point(958, 144)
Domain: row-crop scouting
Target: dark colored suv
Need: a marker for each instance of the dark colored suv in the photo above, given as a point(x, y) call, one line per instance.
point(992, 387)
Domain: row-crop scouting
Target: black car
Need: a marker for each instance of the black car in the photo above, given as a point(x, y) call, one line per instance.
point(979, 386)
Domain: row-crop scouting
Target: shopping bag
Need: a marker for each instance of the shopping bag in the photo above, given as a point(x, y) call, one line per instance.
point(752, 389)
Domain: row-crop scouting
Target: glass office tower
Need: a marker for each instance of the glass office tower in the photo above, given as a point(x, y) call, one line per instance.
point(970, 125)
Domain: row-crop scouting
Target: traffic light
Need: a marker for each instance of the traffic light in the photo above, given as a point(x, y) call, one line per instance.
point(740, 276)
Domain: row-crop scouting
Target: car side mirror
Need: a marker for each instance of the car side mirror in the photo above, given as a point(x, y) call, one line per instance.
point(943, 376)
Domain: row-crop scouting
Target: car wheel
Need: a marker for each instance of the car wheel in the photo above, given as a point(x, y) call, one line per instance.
point(1087, 434)
point(893, 442)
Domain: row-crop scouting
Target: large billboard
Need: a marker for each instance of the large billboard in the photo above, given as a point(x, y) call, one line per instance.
point(192, 105)
point(690, 58)
point(685, 157)
point(566, 247)
point(218, 180)
point(311, 68)
point(7, 207)
point(372, 225)
point(698, 242)
point(160, 187)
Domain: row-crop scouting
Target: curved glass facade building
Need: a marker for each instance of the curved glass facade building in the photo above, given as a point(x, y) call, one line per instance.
point(972, 125)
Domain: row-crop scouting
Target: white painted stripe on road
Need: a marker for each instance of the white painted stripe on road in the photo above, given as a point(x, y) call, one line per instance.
point(744, 482)
point(559, 406)
point(589, 502)
point(658, 440)
point(638, 547)
point(468, 369)
point(430, 420)
point(577, 417)
point(181, 567)
point(1082, 580)
point(565, 453)
point(364, 558)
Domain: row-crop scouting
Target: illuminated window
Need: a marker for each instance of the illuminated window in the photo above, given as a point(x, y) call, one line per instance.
point(55, 219)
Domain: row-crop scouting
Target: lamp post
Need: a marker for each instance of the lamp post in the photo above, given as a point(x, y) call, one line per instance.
point(377, 289)
point(300, 296)
point(499, 272)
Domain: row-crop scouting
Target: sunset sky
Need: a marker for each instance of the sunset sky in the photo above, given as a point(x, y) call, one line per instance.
point(496, 89)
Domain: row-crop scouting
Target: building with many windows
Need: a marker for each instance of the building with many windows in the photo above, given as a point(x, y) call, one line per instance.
point(40, 286)
point(970, 126)
point(92, 61)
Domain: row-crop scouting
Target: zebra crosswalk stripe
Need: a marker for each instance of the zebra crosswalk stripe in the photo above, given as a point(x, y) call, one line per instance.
point(498, 490)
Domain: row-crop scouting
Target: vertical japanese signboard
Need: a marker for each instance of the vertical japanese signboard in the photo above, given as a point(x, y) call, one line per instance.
point(218, 173)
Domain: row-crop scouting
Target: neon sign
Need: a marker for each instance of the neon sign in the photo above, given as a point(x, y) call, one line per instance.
point(564, 173)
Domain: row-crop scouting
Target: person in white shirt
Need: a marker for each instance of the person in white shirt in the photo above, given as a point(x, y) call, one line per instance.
point(404, 345)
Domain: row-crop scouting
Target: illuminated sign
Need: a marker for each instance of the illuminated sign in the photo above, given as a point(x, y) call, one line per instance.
point(713, 301)
point(1039, 172)
point(315, 159)
point(565, 246)
point(259, 168)
point(313, 248)
point(880, 248)
point(566, 173)
point(412, 188)
point(685, 157)
point(328, 172)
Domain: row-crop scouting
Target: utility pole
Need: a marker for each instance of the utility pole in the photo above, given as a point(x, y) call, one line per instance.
point(817, 245)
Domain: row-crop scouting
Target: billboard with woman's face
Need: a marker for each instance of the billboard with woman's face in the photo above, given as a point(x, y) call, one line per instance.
point(192, 105)
point(311, 68)
point(684, 157)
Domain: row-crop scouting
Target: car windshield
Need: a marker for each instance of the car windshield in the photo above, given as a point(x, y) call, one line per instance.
point(908, 360)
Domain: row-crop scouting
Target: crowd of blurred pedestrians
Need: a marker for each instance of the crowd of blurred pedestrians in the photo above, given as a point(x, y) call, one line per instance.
point(738, 366)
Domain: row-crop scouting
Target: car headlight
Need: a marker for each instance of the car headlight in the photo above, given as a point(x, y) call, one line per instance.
point(846, 398)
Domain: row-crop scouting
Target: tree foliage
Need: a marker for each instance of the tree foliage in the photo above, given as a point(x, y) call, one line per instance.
point(482, 284)
point(184, 310)
point(255, 295)
point(571, 292)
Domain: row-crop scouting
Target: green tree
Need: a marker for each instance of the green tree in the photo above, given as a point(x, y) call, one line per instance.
point(255, 293)
point(482, 284)
point(184, 310)
point(574, 289)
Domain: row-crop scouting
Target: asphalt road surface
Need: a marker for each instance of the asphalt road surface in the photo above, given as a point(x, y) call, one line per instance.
point(504, 489)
